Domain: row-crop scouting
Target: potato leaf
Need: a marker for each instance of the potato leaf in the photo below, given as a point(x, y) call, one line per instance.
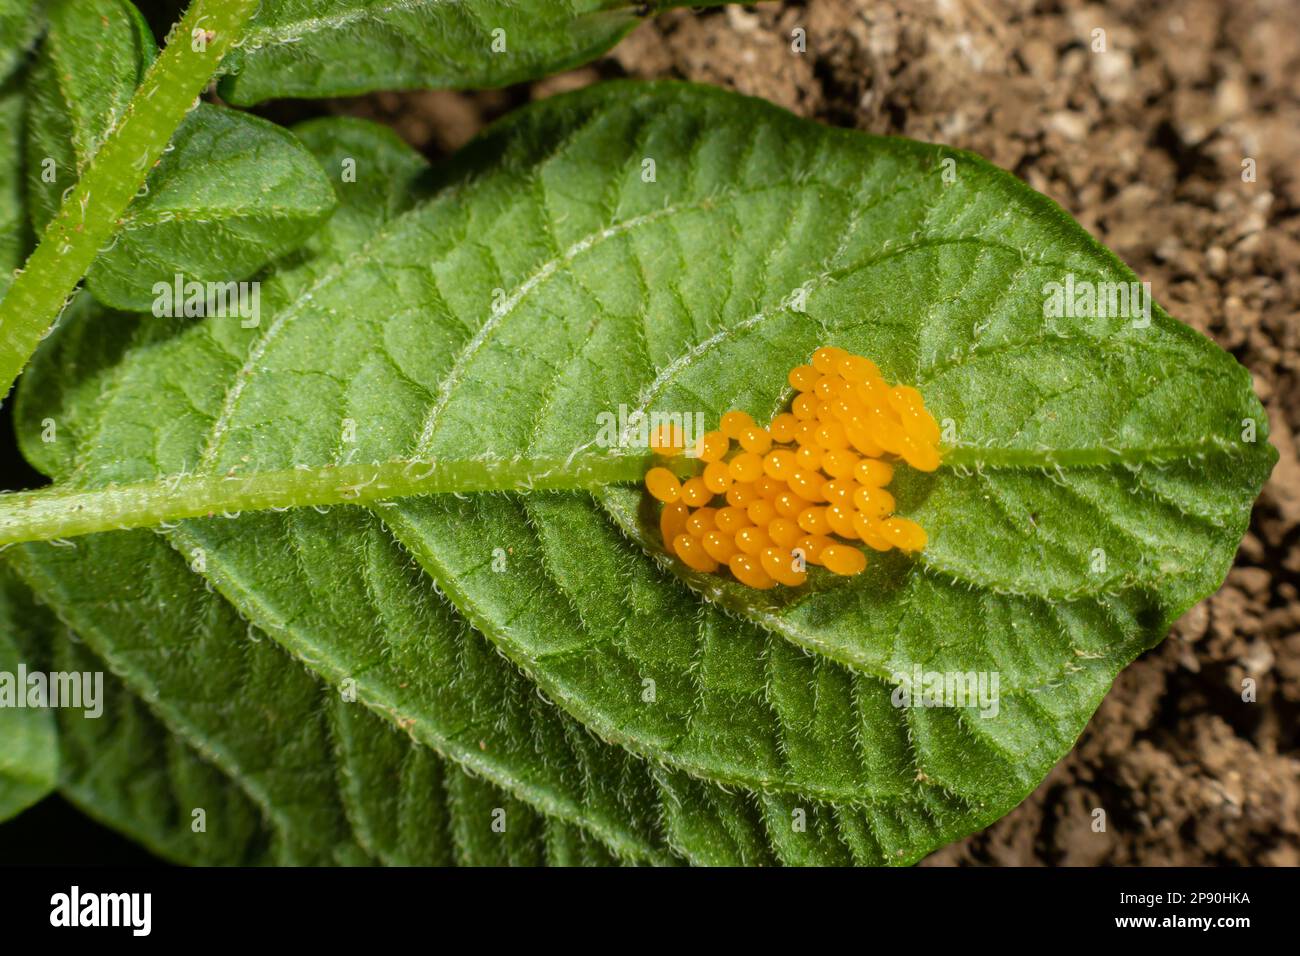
point(232, 193)
point(14, 235)
point(310, 48)
point(678, 249)
point(126, 770)
point(283, 769)
point(19, 24)
point(29, 757)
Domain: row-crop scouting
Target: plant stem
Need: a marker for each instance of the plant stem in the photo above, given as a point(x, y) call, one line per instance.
point(90, 214)
point(56, 512)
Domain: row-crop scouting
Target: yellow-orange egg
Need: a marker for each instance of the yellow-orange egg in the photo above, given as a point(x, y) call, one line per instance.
point(872, 501)
point(756, 440)
point(731, 519)
point(807, 485)
point(839, 491)
point(780, 463)
point(809, 457)
point(769, 487)
point(803, 377)
point(672, 522)
point(741, 494)
point(745, 467)
point(695, 492)
point(752, 539)
point(828, 386)
point(831, 435)
point(903, 533)
point(692, 552)
point(719, 546)
point(713, 446)
point(761, 512)
point(788, 504)
point(843, 559)
point(779, 565)
point(749, 571)
point(784, 532)
point(920, 456)
point(663, 484)
point(868, 530)
point(805, 434)
point(827, 358)
point(861, 439)
point(717, 477)
point(782, 427)
point(840, 518)
point(839, 462)
point(855, 368)
point(735, 422)
point(700, 521)
point(870, 471)
point(804, 407)
point(811, 547)
point(813, 521)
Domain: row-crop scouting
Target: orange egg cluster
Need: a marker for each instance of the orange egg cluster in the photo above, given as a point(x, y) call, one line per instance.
point(798, 491)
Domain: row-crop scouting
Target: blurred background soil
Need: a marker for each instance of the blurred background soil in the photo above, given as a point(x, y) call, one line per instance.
point(1144, 144)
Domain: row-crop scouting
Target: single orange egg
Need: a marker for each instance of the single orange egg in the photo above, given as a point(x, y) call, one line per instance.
point(873, 502)
point(735, 422)
point(749, 571)
point(783, 426)
point(813, 520)
point(752, 539)
point(730, 519)
point(839, 462)
point(692, 552)
point(784, 532)
point(701, 521)
point(843, 559)
point(811, 547)
point(827, 358)
point(717, 477)
point(756, 440)
point(761, 512)
point(695, 492)
point(672, 522)
point(663, 484)
point(746, 466)
point(719, 546)
point(904, 533)
point(780, 565)
point(779, 464)
point(803, 377)
point(713, 446)
point(868, 530)
point(870, 471)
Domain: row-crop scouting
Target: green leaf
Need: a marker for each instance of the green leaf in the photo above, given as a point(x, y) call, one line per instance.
point(91, 60)
point(548, 282)
point(333, 782)
point(232, 193)
point(19, 24)
point(310, 48)
point(126, 770)
point(14, 236)
point(29, 758)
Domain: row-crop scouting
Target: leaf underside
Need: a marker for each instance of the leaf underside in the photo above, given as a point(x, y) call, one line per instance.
point(498, 306)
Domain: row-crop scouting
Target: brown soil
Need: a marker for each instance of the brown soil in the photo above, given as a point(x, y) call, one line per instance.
point(1143, 144)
